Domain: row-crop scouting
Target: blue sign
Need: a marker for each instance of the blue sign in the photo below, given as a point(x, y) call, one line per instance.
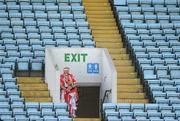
point(93, 68)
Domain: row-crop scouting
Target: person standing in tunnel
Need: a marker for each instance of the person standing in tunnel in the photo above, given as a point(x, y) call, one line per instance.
point(69, 93)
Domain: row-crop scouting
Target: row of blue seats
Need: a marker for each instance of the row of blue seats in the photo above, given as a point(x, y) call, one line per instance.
point(128, 18)
point(171, 3)
point(148, 10)
point(45, 36)
point(43, 22)
point(149, 26)
point(158, 64)
point(151, 72)
point(35, 119)
point(156, 57)
point(24, 63)
point(42, 1)
point(39, 7)
point(164, 82)
point(41, 15)
point(125, 112)
point(24, 54)
point(45, 29)
point(36, 106)
point(36, 44)
point(171, 46)
point(149, 48)
point(35, 111)
point(165, 92)
point(152, 32)
point(41, 44)
point(148, 108)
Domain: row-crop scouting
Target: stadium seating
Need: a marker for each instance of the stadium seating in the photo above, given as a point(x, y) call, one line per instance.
point(150, 33)
point(26, 29)
point(28, 24)
point(150, 30)
point(140, 112)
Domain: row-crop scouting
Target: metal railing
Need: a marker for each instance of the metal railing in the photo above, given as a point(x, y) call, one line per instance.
point(106, 93)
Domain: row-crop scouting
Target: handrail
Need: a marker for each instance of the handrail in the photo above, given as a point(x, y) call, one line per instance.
point(105, 95)
point(102, 100)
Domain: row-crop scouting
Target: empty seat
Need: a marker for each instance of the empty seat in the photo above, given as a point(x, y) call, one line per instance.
point(137, 107)
point(175, 72)
point(23, 64)
point(36, 64)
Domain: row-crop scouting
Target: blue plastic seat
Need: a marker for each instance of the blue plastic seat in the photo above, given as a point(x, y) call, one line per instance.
point(175, 72)
point(167, 115)
point(160, 10)
point(156, 89)
point(111, 114)
point(154, 115)
point(23, 64)
point(148, 72)
point(126, 115)
point(109, 107)
point(137, 107)
point(151, 108)
point(123, 107)
point(172, 3)
point(140, 115)
point(36, 64)
point(145, 3)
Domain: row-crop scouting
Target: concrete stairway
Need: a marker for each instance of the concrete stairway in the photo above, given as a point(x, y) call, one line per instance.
point(87, 119)
point(33, 89)
point(106, 34)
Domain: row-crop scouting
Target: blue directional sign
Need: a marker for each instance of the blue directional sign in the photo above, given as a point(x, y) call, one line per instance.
point(93, 68)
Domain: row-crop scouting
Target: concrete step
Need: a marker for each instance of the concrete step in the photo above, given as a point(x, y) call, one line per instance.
point(108, 45)
point(90, 20)
point(95, 1)
point(103, 24)
point(132, 90)
point(131, 96)
point(127, 75)
point(35, 94)
point(129, 87)
point(101, 4)
point(107, 35)
point(40, 99)
point(117, 51)
point(100, 16)
point(133, 101)
point(104, 28)
point(123, 69)
point(29, 79)
point(102, 39)
point(128, 82)
point(120, 56)
point(33, 85)
point(122, 63)
point(33, 88)
point(98, 12)
point(104, 31)
point(86, 119)
point(98, 8)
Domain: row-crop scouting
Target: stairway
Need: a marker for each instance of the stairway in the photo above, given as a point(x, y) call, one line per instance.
point(87, 119)
point(106, 34)
point(33, 89)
